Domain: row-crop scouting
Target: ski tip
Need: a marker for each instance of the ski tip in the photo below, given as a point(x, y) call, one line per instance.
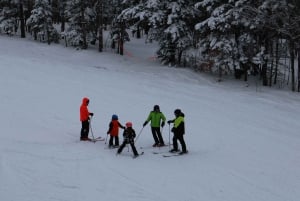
point(135, 156)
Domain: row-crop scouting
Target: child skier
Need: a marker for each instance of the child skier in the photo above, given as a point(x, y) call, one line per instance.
point(129, 135)
point(114, 131)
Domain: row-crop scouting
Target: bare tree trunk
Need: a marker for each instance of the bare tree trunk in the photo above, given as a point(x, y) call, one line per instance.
point(265, 66)
point(272, 59)
point(83, 28)
point(220, 74)
point(121, 42)
point(100, 15)
point(180, 51)
point(27, 15)
point(138, 32)
point(298, 69)
point(276, 61)
point(63, 20)
point(63, 23)
point(292, 64)
point(246, 72)
point(121, 46)
point(22, 26)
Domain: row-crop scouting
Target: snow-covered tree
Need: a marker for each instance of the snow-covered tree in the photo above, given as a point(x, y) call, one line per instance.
point(40, 22)
point(111, 9)
point(8, 16)
point(279, 20)
point(177, 30)
point(217, 38)
point(171, 22)
point(242, 34)
point(82, 23)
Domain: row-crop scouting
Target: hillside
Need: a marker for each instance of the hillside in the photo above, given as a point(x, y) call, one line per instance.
point(244, 144)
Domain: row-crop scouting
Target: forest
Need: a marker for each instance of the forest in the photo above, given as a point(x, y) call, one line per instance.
point(222, 37)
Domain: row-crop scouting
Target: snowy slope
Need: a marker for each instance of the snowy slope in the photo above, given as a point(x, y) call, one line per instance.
point(243, 145)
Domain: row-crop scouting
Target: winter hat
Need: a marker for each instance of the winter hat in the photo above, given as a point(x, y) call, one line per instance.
point(114, 117)
point(177, 112)
point(128, 124)
point(156, 107)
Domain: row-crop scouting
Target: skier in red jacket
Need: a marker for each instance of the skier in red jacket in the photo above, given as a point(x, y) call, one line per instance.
point(114, 131)
point(85, 119)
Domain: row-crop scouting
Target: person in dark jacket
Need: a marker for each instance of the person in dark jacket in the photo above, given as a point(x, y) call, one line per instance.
point(157, 119)
point(178, 130)
point(114, 131)
point(85, 119)
point(129, 135)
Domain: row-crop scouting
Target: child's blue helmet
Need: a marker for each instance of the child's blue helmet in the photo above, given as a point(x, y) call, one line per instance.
point(114, 117)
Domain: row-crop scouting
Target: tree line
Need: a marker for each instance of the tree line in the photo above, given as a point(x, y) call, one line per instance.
point(240, 37)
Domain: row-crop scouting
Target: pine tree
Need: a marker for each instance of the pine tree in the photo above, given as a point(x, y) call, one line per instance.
point(217, 31)
point(171, 22)
point(40, 22)
point(8, 16)
point(177, 30)
point(82, 23)
point(240, 35)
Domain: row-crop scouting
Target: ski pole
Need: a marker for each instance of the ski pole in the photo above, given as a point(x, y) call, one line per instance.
point(161, 132)
point(169, 138)
point(106, 138)
point(162, 129)
point(91, 128)
point(139, 134)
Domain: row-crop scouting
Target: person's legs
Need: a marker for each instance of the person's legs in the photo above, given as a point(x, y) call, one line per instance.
point(121, 147)
point(116, 140)
point(85, 126)
point(175, 144)
point(159, 135)
point(182, 142)
point(156, 141)
point(133, 149)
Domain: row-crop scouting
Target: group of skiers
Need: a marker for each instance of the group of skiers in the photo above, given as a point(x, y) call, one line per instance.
point(157, 119)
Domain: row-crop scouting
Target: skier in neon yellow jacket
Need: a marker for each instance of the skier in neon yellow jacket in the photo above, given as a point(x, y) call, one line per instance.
point(178, 130)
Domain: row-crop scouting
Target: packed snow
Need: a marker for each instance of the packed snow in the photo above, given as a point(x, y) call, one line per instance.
point(243, 142)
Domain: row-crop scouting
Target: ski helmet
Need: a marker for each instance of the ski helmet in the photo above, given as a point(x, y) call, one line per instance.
point(114, 117)
point(128, 124)
point(177, 112)
point(156, 107)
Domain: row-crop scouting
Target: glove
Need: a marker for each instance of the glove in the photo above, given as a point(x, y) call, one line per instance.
point(173, 130)
point(170, 121)
point(92, 114)
point(145, 124)
point(107, 132)
point(162, 124)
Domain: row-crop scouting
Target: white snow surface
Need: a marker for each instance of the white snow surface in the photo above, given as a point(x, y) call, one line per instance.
point(244, 144)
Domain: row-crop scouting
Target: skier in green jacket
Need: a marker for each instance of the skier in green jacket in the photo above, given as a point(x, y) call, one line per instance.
point(157, 119)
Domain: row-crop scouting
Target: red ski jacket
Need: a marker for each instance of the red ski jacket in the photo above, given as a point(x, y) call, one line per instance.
point(114, 127)
point(84, 112)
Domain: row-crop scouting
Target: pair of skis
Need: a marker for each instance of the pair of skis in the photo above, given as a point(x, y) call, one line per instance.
point(97, 139)
point(135, 156)
point(168, 154)
point(140, 154)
